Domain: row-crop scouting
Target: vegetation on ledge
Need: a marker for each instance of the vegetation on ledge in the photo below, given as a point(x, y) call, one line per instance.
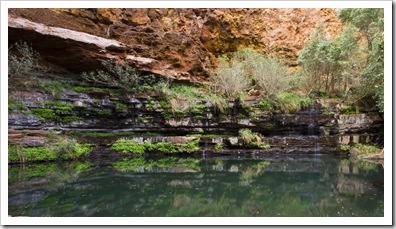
point(132, 146)
point(57, 147)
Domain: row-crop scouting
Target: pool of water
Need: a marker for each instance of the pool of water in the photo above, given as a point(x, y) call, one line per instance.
point(268, 185)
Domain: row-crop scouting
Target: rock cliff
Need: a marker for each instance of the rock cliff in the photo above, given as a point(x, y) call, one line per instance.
point(176, 43)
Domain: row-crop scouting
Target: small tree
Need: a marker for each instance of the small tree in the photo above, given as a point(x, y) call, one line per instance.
point(24, 65)
point(328, 64)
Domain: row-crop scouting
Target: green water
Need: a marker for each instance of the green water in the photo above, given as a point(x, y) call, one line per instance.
point(293, 185)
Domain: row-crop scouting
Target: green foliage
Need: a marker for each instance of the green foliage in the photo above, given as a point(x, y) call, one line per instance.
point(104, 112)
point(121, 107)
point(56, 147)
point(85, 89)
point(291, 102)
point(125, 77)
point(18, 107)
point(219, 146)
point(45, 113)
point(345, 147)
point(132, 146)
point(329, 64)
point(144, 118)
point(349, 109)
point(252, 139)
point(82, 150)
point(59, 106)
point(53, 87)
point(129, 146)
point(369, 22)
point(266, 104)
point(366, 150)
point(22, 154)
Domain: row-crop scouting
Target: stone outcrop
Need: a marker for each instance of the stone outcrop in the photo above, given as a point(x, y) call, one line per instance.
point(177, 43)
point(308, 131)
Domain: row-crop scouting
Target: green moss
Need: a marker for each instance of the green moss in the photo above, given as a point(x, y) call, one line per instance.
point(82, 150)
point(266, 105)
point(345, 148)
point(59, 106)
point(48, 114)
point(101, 134)
point(349, 110)
point(18, 107)
point(129, 146)
point(24, 154)
point(366, 150)
point(104, 113)
point(45, 113)
point(83, 89)
point(219, 146)
point(144, 118)
point(61, 148)
point(121, 107)
point(132, 146)
point(326, 112)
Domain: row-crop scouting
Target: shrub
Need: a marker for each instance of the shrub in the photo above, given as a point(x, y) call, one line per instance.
point(247, 66)
point(125, 77)
point(271, 76)
point(23, 65)
point(252, 139)
point(231, 78)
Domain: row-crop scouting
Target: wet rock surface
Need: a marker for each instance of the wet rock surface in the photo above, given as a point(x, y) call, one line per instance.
point(308, 131)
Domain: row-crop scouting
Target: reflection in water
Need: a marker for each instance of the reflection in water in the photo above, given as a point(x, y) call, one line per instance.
point(300, 185)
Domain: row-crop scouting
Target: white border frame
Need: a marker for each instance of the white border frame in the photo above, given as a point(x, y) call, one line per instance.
point(386, 220)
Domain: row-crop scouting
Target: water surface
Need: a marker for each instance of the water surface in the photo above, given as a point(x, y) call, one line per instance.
point(276, 185)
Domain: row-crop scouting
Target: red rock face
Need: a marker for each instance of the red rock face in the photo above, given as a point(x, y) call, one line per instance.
point(177, 43)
